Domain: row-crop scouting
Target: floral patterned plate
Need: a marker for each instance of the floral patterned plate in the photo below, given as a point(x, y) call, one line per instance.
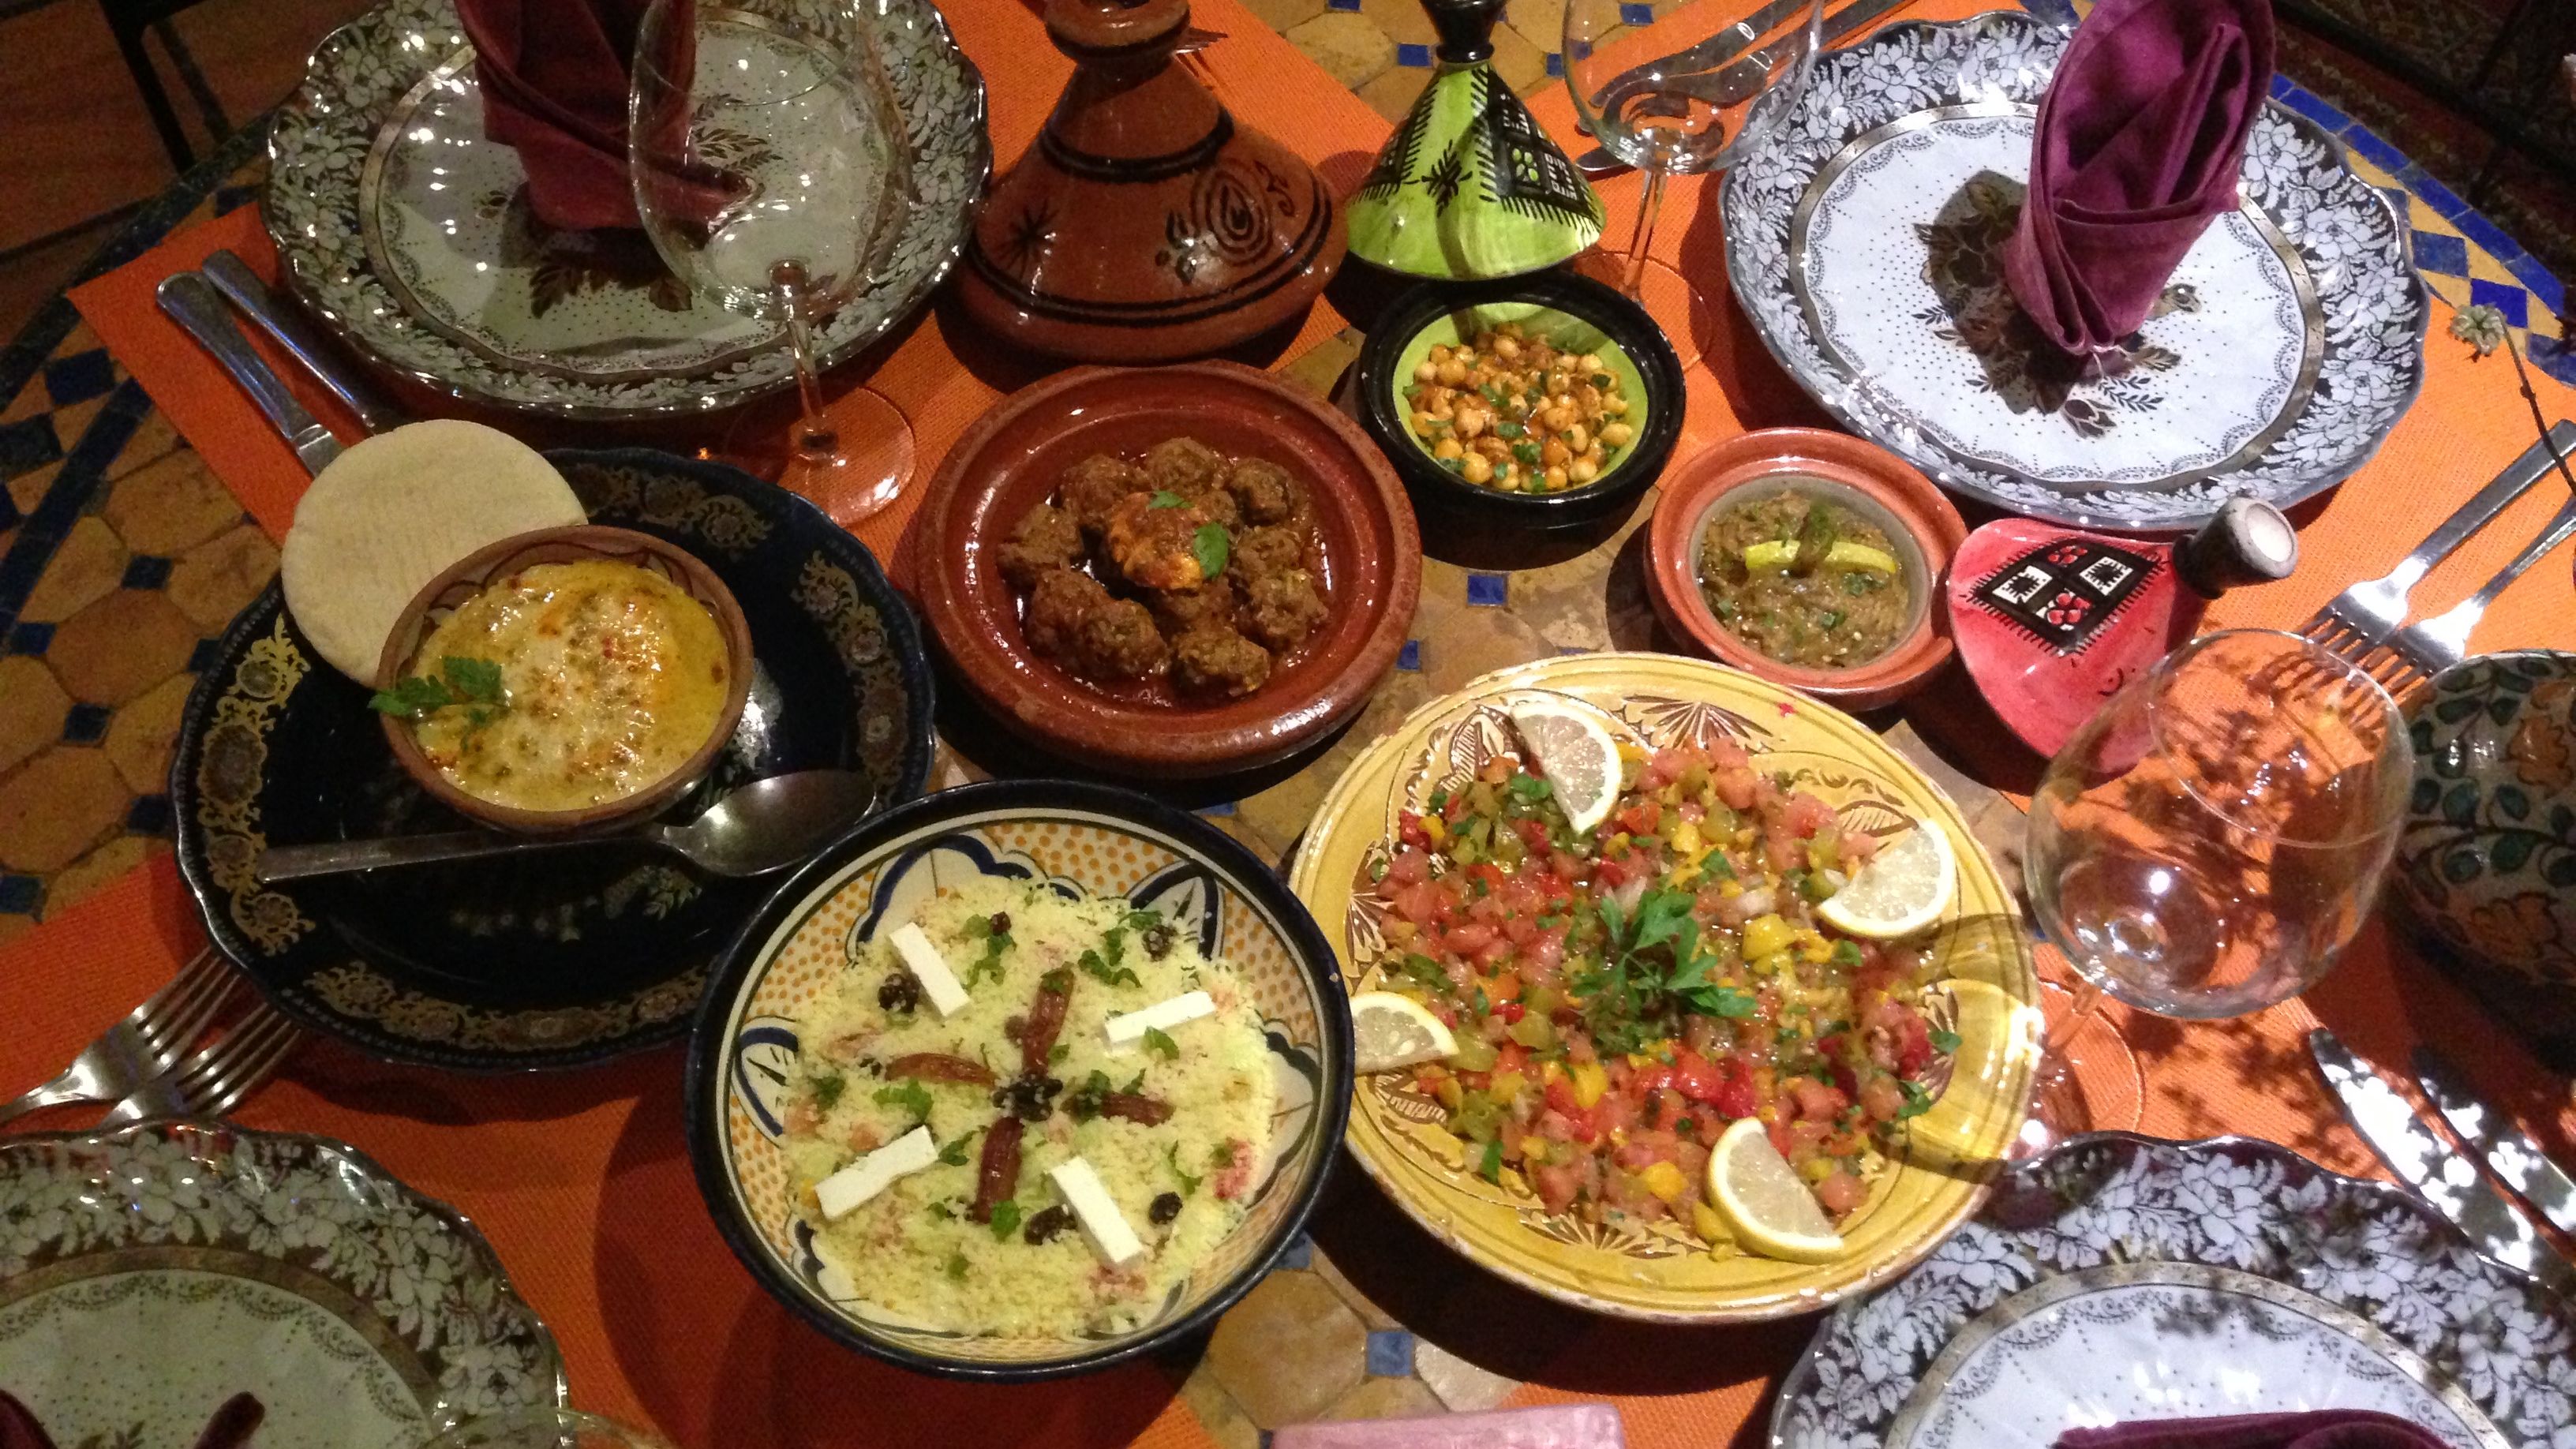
point(1865, 243)
point(148, 1275)
point(1655, 1271)
point(561, 959)
point(398, 221)
point(1081, 840)
point(2121, 1277)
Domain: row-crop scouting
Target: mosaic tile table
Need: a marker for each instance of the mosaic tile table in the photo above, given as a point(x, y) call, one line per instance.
point(121, 557)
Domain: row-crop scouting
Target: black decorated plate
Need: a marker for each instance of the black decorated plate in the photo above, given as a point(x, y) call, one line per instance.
point(564, 958)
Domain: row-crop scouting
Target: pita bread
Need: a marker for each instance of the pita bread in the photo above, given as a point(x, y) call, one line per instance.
point(386, 516)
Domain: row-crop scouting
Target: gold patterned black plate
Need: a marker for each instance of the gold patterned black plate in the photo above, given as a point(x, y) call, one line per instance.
point(565, 958)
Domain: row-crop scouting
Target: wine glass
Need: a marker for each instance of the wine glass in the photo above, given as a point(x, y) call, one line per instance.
point(773, 175)
point(2208, 842)
point(1670, 90)
point(545, 1428)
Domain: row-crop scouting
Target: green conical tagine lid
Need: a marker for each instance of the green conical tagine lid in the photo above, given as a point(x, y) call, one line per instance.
point(1469, 186)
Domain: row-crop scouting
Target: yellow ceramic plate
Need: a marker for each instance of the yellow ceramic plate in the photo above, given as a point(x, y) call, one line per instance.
point(1938, 1174)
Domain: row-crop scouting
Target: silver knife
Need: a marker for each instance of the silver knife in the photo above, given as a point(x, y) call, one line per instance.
point(2509, 1151)
point(1708, 54)
point(2429, 1165)
point(193, 303)
point(252, 298)
point(1737, 81)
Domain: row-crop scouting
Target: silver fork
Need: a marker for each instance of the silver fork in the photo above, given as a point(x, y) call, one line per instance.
point(211, 1082)
point(2443, 640)
point(142, 1046)
point(2358, 621)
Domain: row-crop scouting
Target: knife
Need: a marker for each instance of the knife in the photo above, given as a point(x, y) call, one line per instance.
point(252, 298)
point(2510, 1153)
point(1734, 83)
point(2441, 1176)
point(193, 303)
point(1709, 54)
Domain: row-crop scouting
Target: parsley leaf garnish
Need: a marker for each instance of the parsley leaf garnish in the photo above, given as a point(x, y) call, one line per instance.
point(954, 1154)
point(1917, 1100)
point(1944, 1041)
point(1189, 1183)
point(1161, 1044)
point(1006, 1217)
point(909, 1095)
point(827, 1092)
point(956, 1267)
point(1166, 498)
point(1101, 971)
point(1211, 545)
point(1490, 1167)
point(461, 681)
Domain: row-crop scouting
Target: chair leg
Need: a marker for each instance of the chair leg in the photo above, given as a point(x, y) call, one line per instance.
point(174, 138)
point(210, 107)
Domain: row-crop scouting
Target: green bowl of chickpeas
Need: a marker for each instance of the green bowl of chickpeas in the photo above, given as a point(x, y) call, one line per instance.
point(1551, 400)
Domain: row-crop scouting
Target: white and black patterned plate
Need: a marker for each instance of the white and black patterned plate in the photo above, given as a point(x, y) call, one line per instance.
point(402, 225)
point(1865, 243)
point(2121, 1278)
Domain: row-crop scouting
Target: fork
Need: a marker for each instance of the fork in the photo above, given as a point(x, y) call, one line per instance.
point(212, 1081)
point(2443, 640)
point(2361, 619)
point(142, 1046)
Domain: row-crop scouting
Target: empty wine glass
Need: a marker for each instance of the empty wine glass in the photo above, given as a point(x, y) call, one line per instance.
point(773, 174)
point(1670, 90)
point(2210, 841)
point(545, 1429)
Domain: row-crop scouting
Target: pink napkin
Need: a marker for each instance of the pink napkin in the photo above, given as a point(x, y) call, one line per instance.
point(1557, 1426)
point(553, 75)
point(2324, 1429)
point(2136, 152)
point(18, 1428)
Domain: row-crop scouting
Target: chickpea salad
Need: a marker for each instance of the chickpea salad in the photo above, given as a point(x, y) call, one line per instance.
point(1513, 410)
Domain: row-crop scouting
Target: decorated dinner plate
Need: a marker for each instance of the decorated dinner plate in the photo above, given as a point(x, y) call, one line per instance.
point(1865, 242)
point(566, 958)
point(1082, 841)
point(149, 1275)
point(1938, 1170)
point(2120, 1278)
point(400, 222)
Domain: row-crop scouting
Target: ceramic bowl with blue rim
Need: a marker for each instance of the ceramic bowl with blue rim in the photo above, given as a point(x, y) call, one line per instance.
point(1083, 841)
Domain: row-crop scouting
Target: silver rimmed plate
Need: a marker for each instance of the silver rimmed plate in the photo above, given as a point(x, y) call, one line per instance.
point(2122, 1278)
point(148, 1275)
point(397, 220)
point(1866, 244)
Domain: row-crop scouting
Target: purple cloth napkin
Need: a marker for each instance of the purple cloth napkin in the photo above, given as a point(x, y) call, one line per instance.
point(2136, 152)
point(18, 1428)
point(553, 75)
point(2324, 1429)
point(1555, 1426)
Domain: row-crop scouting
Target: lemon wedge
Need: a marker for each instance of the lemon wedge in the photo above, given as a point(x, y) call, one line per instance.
point(1578, 757)
point(1904, 888)
point(1393, 1031)
point(1761, 1198)
point(1778, 553)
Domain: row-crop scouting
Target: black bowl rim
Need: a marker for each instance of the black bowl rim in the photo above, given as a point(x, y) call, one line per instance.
point(704, 1082)
point(1623, 320)
point(903, 637)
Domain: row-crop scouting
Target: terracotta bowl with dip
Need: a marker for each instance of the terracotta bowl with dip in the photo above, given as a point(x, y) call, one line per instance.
point(539, 606)
point(1879, 511)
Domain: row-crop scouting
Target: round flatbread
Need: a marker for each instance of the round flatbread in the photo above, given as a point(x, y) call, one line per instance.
point(386, 516)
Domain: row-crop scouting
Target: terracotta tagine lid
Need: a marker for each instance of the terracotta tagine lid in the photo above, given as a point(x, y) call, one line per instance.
point(1145, 224)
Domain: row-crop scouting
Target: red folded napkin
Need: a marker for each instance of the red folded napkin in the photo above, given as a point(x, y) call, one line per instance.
point(18, 1428)
point(2324, 1429)
point(2136, 152)
point(553, 75)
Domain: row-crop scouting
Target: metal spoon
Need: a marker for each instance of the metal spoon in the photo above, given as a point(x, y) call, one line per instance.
point(764, 826)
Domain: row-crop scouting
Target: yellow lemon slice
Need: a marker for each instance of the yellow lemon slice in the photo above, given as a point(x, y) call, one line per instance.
point(1392, 1031)
point(1779, 553)
point(1904, 888)
point(1578, 757)
point(1761, 1198)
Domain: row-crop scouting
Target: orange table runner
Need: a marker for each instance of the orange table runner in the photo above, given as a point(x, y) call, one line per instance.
point(582, 1180)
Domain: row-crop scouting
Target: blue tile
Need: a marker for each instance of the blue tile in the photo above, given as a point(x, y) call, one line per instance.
point(1221, 808)
point(1416, 56)
point(1634, 14)
point(28, 638)
point(2281, 86)
point(28, 444)
point(2313, 106)
point(1491, 590)
point(1299, 1254)
point(2545, 287)
point(1390, 1353)
point(2060, 13)
point(2435, 194)
point(2367, 145)
point(1265, 1439)
point(149, 815)
point(1342, 4)
point(2489, 236)
point(2555, 358)
point(146, 571)
point(1410, 656)
point(203, 657)
point(2512, 301)
point(79, 377)
point(2399, 200)
point(9, 514)
point(21, 894)
point(86, 723)
point(1556, 64)
point(2439, 251)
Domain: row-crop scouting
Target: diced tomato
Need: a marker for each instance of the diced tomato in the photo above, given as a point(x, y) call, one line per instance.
point(1534, 835)
point(1735, 787)
point(1510, 1011)
point(1469, 938)
point(1806, 815)
point(1641, 818)
point(1858, 847)
point(1609, 874)
point(1726, 754)
point(1557, 1185)
point(1839, 1193)
point(1881, 1099)
point(1816, 1101)
point(1409, 830)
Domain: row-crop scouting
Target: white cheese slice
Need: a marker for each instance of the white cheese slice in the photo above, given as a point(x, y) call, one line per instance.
point(874, 1172)
point(1128, 1028)
point(1102, 1223)
point(923, 960)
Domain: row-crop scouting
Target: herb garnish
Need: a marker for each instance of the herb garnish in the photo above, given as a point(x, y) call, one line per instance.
point(472, 684)
point(989, 965)
point(1945, 1041)
point(1105, 973)
point(1189, 1183)
point(1006, 1217)
point(1161, 1044)
point(1165, 498)
point(1211, 545)
point(827, 1092)
point(954, 1154)
point(909, 1095)
point(956, 1267)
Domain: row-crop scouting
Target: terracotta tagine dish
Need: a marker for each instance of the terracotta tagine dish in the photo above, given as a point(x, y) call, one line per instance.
point(1146, 224)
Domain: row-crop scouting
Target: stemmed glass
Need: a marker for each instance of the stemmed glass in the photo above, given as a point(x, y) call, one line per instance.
point(1670, 90)
point(2208, 842)
point(545, 1428)
point(773, 175)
